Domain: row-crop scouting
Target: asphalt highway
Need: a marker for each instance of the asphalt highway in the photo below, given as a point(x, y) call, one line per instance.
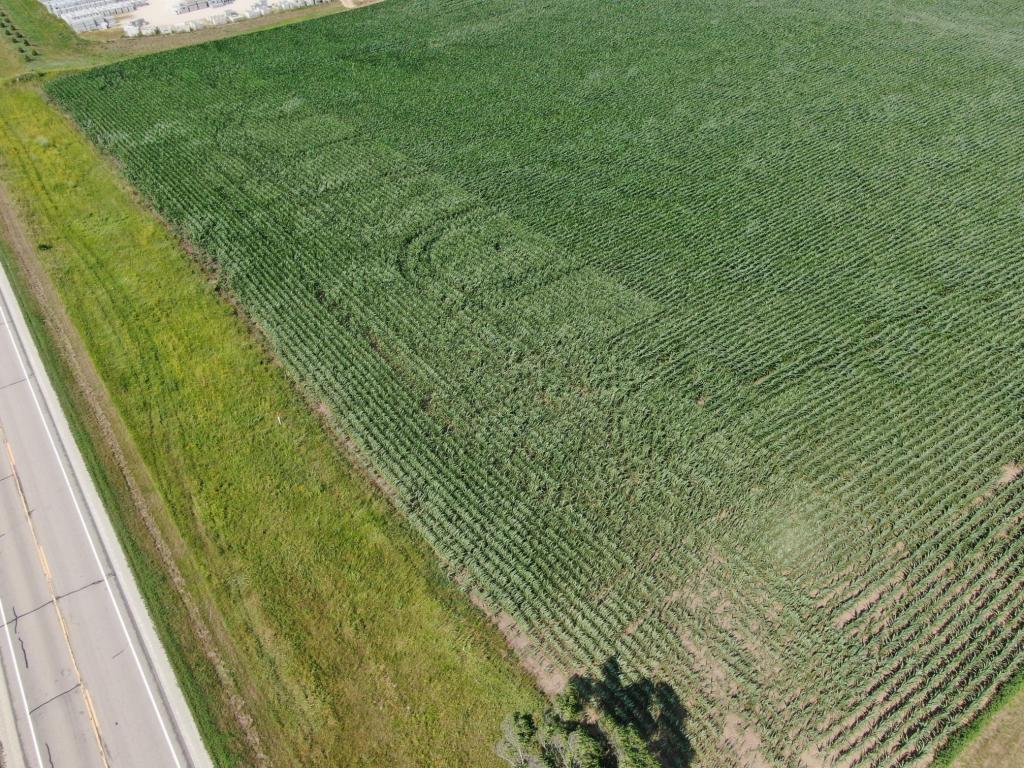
point(86, 679)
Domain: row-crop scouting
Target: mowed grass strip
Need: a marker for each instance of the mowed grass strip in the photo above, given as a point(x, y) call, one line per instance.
point(343, 634)
point(116, 479)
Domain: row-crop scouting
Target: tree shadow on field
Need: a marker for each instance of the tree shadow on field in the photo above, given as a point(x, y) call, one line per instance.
point(651, 709)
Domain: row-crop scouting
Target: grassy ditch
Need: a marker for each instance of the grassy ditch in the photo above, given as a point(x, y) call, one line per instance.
point(120, 478)
point(329, 626)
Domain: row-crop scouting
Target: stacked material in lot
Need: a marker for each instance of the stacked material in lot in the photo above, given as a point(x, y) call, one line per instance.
point(83, 15)
point(187, 6)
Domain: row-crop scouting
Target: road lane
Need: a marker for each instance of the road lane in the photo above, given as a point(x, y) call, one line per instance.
point(88, 682)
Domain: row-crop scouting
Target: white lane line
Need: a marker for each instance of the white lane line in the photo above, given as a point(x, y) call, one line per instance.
point(88, 535)
point(21, 685)
point(48, 576)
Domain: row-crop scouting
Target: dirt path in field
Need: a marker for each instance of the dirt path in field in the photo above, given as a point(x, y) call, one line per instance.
point(117, 448)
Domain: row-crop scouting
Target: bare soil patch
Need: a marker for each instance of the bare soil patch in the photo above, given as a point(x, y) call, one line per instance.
point(550, 679)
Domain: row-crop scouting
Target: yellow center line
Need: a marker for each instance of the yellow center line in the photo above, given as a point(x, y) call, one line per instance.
point(44, 564)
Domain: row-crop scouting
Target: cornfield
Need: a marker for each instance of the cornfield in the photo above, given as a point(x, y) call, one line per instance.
point(687, 334)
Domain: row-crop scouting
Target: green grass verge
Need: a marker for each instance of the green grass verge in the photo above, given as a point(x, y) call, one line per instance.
point(954, 753)
point(195, 676)
point(343, 637)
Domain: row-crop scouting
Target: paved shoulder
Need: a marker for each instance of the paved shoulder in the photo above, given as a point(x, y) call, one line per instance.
point(87, 681)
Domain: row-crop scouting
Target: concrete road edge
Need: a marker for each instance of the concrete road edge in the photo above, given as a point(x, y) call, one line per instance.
point(12, 753)
point(152, 649)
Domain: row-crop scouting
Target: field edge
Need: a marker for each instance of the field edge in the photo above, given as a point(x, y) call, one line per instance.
point(453, 598)
point(962, 743)
point(81, 403)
